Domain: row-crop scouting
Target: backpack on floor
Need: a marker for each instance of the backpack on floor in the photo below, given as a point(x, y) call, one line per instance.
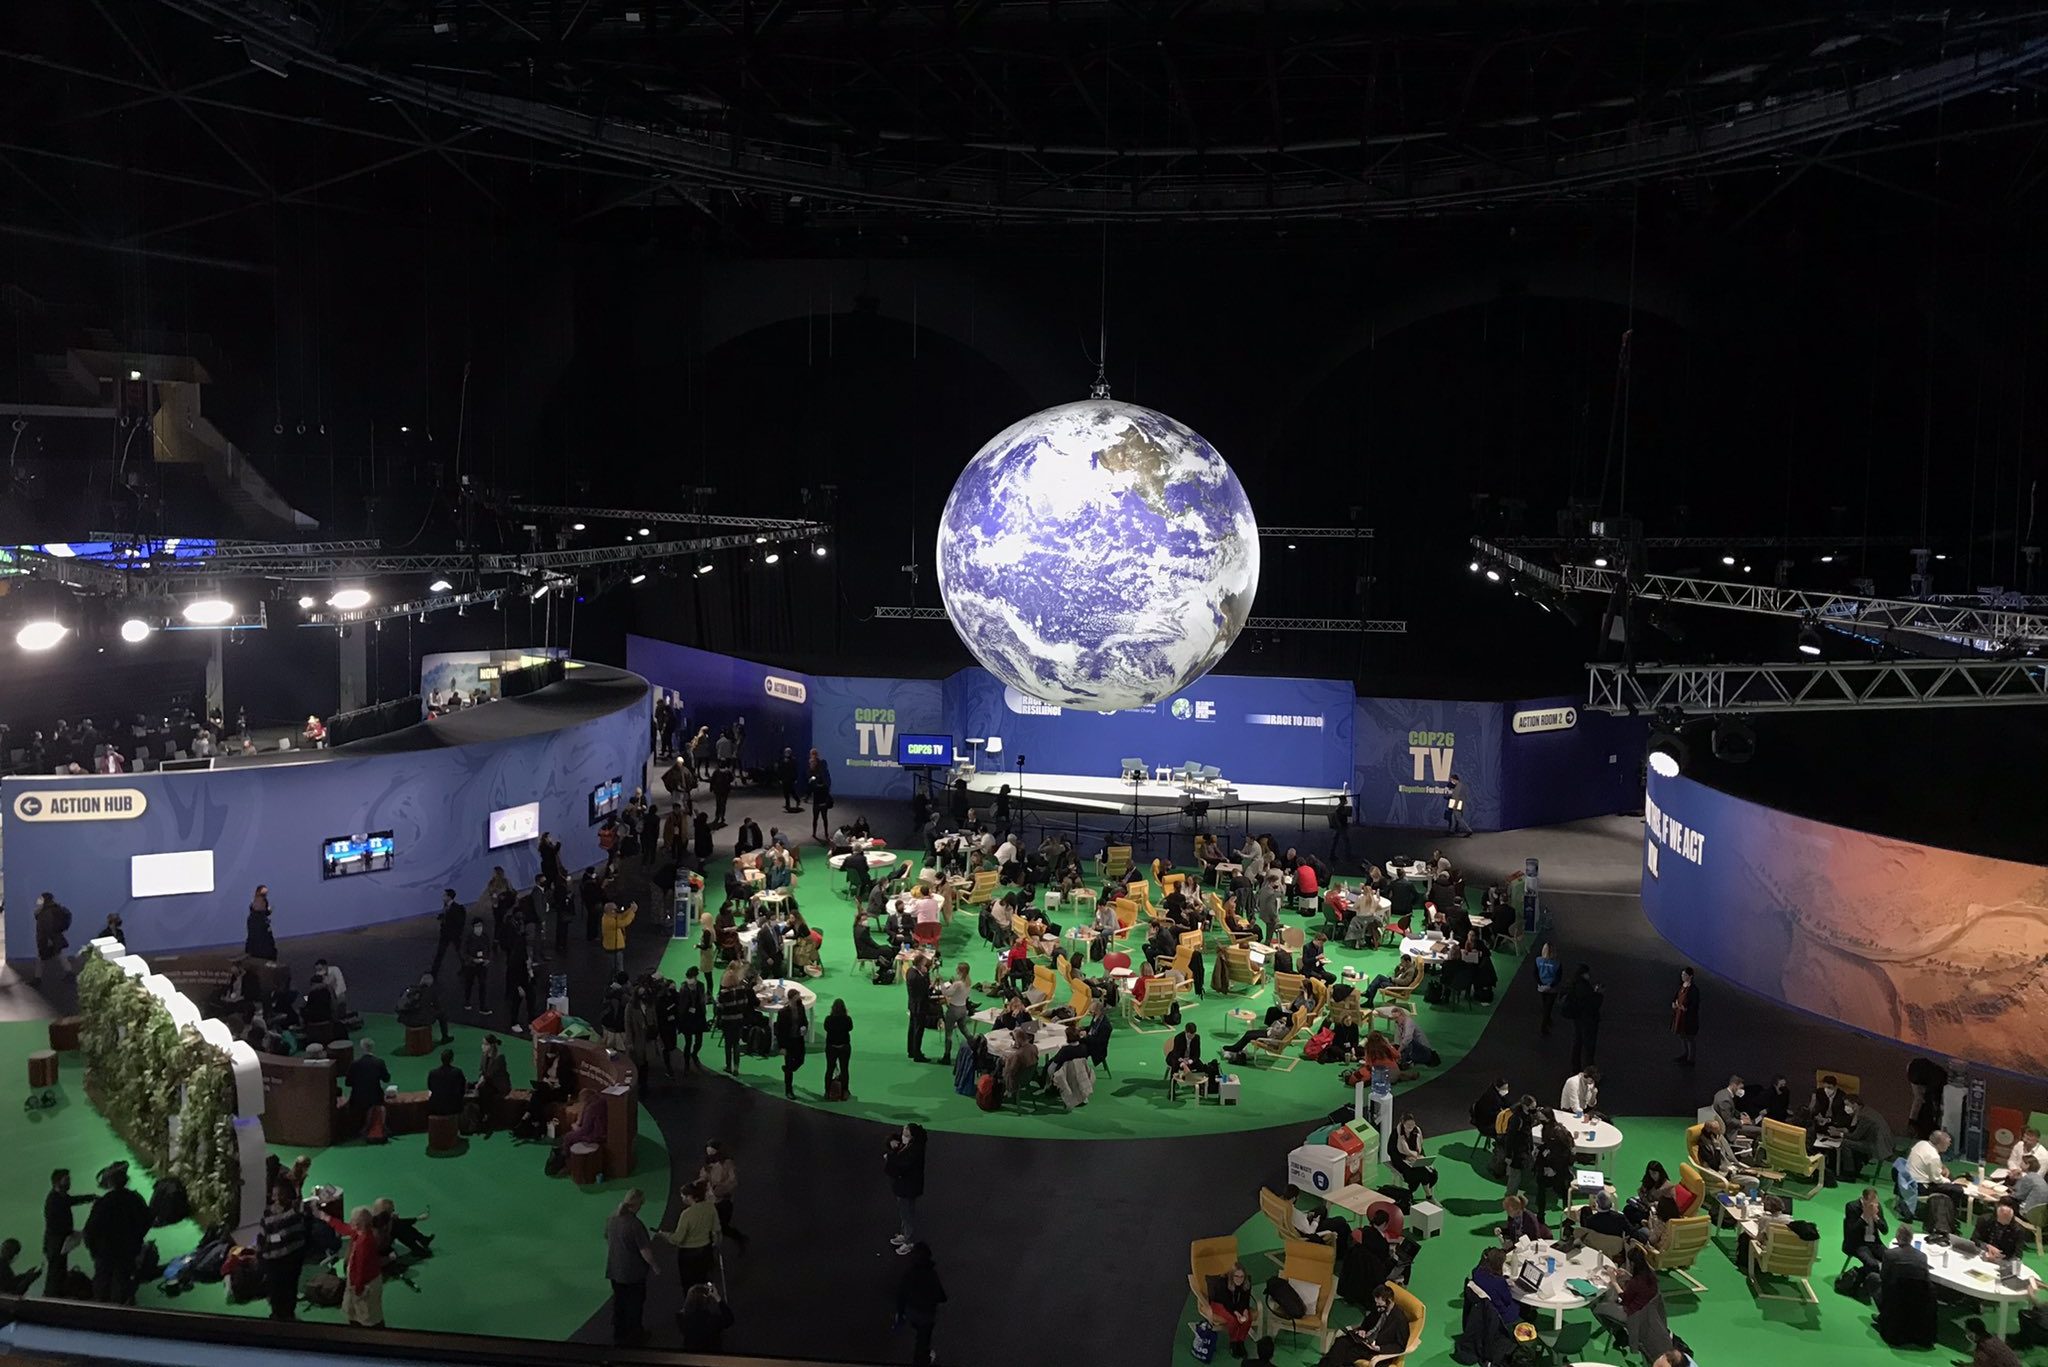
point(325, 1289)
point(245, 1278)
point(1318, 1045)
point(835, 1090)
point(988, 1093)
point(168, 1203)
point(373, 1127)
point(1433, 991)
point(77, 1284)
point(1938, 1214)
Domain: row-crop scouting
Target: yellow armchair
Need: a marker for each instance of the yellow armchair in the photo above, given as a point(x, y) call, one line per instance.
point(1678, 1248)
point(1416, 1312)
point(1785, 1152)
point(1209, 1258)
point(1781, 1253)
point(1313, 1265)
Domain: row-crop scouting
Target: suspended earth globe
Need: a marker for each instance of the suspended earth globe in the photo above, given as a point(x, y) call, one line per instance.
point(1098, 555)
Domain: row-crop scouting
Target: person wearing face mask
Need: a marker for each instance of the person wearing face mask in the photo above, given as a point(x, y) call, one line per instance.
point(1830, 1105)
point(721, 1177)
point(1485, 1112)
point(1736, 1118)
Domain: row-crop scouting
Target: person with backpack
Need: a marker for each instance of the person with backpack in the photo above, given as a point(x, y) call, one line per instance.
point(904, 1164)
point(1549, 971)
point(792, 1027)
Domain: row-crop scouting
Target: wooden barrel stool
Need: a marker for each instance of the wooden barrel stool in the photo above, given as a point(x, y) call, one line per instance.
point(419, 1040)
point(586, 1163)
point(42, 1068)
point(444, 1134)
point(64, 1032)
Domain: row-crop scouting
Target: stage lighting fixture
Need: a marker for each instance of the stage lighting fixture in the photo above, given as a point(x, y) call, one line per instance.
point(819, 552)
point(135, 629)
point(306, 601)
point(760, 541)
point(541, 592)
point(637, 579)
point(439, 586)
point(209, 612)
point(134, 374)
point(1745, 569)
point(1809, 640)
point(1667, 754)
point(1734, 741)
point(403, 428)
point(40, 635)
point(1290, 545)
point(348, 600)
point(704, 569)
point(771, 557)
point(575, 526)
point(1493, 576)
point(1727, 559)
point(1599, 562)
point(1941, 555)
point(645, 532)
point(1474, 567)
point(1827, 560)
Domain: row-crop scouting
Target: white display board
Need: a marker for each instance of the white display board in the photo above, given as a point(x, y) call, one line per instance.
point(510, 825)
point(170, 875)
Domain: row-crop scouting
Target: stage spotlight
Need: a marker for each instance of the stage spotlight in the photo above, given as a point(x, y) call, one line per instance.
point(1734, 741)
point(1493, 576)
point(704, 569)
point(771, 557)
point(1727, 559)
point(39, 635)
point(819, 552)
point(1667, 754)
point(637, 579)
point(540, 592)
point(1474, 567)
point(1745, 569)
point(135, 629)
point(760, 541)
point(306, 601)
point(1827, 560)
point(134, 374)
point(439, 586)
point(209, 612)
point(1599, 562)
point(576, 526)
point(645, 532)
point(1809, 640)
point(348, 600)
point(1290, 545)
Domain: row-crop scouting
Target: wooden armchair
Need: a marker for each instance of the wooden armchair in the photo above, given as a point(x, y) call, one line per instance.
point(1678, 1248)
point(1313, 1265)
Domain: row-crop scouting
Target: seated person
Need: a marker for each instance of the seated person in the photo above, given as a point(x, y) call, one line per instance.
point(1184, 1055)
point(14, 1281)
point(1022, 1065)
point(1076, 1047)
point(1602, 1218)
point(1312, 965)
point(1863, 1231)
point(1865, 1137)
point(1017, 970)
point(1384, 1330)
point(2029, 1189)
point(420, 1006)
point(1236, 922)
point(317, 1007)
point(1490, 1276)
point(1633, 1300)
point(1778, 1101)
point(1774, 1214)
point(804, 945)
point(1407, 975)
point(1278, 1023)
point(258, 1035)
point(447, 1088)
point(1828, 1109)
point(2000, 1233)
point(1715, 1155)
point(393, 1231)
point(592, 1125)
point(1016, 1014)
point(1520, 1222)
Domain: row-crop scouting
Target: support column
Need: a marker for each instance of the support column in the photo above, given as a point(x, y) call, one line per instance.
point(355, 668)
point(216, 678)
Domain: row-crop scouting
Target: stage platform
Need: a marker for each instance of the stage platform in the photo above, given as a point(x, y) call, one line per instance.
point(1112, 796)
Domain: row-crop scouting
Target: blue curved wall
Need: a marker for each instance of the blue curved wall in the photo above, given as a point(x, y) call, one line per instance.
point(265, 824)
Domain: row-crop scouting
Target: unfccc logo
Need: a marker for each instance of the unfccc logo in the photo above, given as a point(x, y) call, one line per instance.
point(1201, 711)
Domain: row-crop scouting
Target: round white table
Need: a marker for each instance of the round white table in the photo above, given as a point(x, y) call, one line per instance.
point(877, 859)
point(1047, 1037)
point(1553, 1294)
point(1594, 1138)
point(1978, 1279)
point(774, 992)
point(1428, 951)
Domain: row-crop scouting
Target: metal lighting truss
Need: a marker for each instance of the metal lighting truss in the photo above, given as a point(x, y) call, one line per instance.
point(440, 602)
point(1554, 543)
point(1894, 685)
point(1319, 533)
point(1374, 624)
point(797, 527)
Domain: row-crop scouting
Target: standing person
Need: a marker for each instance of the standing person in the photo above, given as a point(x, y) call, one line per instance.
point(451, 930)
point(362, 1296)
point(58, 1226)
point(695, 1237)
point(366, 1079)
point(904, 1164)
point(590, 891)
point(821, 799)
point(283, 1251)
point(114, 1231)
point(551, 866)
point(476, 962)
point(53, 918)
point(259, 942)
point(735, 1006)
point(493, 1084)
point(957, 993)
point(689, 1013)
point(1685, 1016)
point(918, 1298)
point(917, 987)
point(562, 906)
point(1454, 808)
point(721, 1177)
point(1340, 828)
point(628, 1263)
point(1582, 1001)
point(703, 1319)
point(1549, 970)
point(614, 927)
point(785, 774)
point(838, 1050)
point(519, 1004)
point(792, 1028)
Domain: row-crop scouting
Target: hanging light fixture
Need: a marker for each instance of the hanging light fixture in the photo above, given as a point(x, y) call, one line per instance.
point(209, 612)
point(41, 634)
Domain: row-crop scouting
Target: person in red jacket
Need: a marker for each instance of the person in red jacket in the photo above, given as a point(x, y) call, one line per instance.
point(362, 1300)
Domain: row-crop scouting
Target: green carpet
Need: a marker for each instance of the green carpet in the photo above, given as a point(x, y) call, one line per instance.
point(498, 1222)
point(1725, 1325)
point(1130, 1100)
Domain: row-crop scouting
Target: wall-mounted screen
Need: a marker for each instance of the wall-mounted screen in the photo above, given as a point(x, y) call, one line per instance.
point(343, 855)
point(934, 752)
point(606, 799)
point(510, 825)
point(170, 875)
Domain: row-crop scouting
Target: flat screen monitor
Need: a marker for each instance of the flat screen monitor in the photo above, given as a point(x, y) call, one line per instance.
point(344, 855)
point(170, 875)
point(924, 752)
point(606, 799)
point(510, 825)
